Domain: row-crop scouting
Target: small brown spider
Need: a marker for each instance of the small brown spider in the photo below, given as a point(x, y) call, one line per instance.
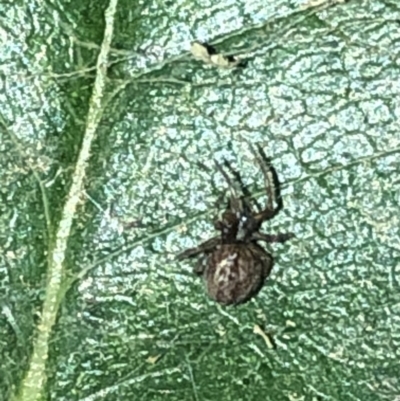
point(234, 266)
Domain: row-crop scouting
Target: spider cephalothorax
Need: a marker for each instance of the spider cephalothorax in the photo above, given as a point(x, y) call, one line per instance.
point(233, 264)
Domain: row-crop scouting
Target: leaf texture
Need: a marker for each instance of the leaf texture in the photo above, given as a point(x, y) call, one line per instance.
point(319, 92)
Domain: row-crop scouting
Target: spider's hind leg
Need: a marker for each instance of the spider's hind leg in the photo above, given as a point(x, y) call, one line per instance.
point(201, 265)
point(204, 247)
point(202, 251)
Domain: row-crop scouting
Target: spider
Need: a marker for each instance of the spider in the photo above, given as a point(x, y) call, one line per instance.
point(233, 265)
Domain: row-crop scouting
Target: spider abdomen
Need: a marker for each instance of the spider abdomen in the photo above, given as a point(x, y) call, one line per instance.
point(236, 272)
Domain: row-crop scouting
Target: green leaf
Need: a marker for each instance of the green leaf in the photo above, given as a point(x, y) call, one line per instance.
point(108, 132)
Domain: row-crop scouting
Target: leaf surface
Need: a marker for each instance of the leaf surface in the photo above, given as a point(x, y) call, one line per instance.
point(111, 112)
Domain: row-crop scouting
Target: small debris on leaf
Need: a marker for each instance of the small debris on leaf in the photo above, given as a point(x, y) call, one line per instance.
point(257, 330)
point(153, 359)
point(207, 54)
point(200, 52)
point(323, 3)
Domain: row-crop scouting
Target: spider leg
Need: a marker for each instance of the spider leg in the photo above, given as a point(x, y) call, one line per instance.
point(272, 186)
point(244, 189)
point(227, 179)
point(278, 238)
point(205, 247)
point(236, 203)
point(221, 196)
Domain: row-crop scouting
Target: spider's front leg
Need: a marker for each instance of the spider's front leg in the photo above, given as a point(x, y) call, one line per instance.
point(272, 186)
point(245, 194)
